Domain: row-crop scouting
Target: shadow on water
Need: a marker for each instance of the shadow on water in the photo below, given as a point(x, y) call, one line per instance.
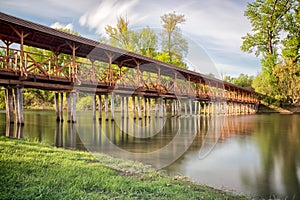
point(257, 155)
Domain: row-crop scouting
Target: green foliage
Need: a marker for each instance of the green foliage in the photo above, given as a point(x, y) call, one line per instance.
point(291, 43)
point(288, 83)
point(2, 99)
point(242, 80)
point(85, 103)
point(120, 36)
point(35, 171)
point(145, 42)
point(275, 38)
point(173, 47)
point(35, 98)
point(172, 40)
point(267, 19)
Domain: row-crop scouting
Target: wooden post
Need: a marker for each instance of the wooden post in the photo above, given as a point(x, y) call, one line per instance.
point(127, 106)
point(185, 109)
point(196, 107)
point(145, 107)
point(94, 107)
point(172, 108)
point(19, 105)
point(73, 106)
point(165, 107)
point(149, 106)
point(199, 107)
point(112, 104)
point(191, 107)
point(106, 107)
point(122, 106)
point(9, 105)
point(208, 108)
point(156, 107)
point(133, 107)
point(100, 106)
point(179, 107)
point(61, 110)
point(7, 61)
point(56, 102)
point(22, 64)
point(139, 107)
point(161, 108)
point(69, 106)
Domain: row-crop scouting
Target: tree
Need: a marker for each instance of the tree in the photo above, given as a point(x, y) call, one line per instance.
point(275, 38)
point(267, 20)
point(242, 80)
point(291, 43)
point(172, 40)
point(288, 81)
point(120, 36)
point(145, 42)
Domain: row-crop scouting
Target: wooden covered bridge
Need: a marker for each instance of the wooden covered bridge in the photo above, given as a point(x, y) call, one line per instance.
point(67, 63)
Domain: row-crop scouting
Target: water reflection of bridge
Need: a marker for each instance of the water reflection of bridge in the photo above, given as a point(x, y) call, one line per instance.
point(70, 64)
point(148, 140)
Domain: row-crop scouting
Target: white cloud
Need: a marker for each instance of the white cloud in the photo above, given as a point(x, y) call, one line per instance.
point(106, 13)
point(59, 25)
point(235, 70)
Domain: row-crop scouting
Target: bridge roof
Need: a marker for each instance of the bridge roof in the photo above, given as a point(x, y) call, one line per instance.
point(57, 41)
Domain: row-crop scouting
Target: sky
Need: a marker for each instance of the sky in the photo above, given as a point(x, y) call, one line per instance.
point(213, 28)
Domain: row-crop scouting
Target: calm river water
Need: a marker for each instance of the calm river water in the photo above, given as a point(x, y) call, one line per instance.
point(257, 155)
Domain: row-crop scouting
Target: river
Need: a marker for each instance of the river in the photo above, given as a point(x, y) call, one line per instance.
point(257, 155)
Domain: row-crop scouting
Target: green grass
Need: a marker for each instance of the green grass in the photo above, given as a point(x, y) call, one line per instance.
point(30, 170)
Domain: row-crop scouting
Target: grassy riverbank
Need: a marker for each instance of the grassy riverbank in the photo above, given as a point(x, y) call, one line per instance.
point(30, 170)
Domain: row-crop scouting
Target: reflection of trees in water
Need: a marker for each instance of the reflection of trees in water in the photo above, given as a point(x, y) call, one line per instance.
point(278, 139)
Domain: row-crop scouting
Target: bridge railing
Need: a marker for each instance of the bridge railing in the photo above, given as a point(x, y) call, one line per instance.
point(47, 64)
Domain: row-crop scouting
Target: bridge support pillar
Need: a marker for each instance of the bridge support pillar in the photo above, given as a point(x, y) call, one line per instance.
point(94, 106)
point(196, 107)
point(191, 107)
point(122, 107)
point(69, 106)
point(179, 107)
point(56, 102)
point(199, 112)
point(149, 107)
point(161, 108)
point(126, 101)
point(112, 104)
point(19, 105)
point(9, 105)
point(204, 108)
point(173, 108)
point(133, 107)
point(145, 107)
point(100, 106)
point(156, 107)
point(106, 107)
point(61, 110)
point(139, 107)
point(213, 108)
point(185, 109)
point(73, 106)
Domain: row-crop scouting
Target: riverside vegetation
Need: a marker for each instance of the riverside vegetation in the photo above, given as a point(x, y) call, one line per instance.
point(30, 170)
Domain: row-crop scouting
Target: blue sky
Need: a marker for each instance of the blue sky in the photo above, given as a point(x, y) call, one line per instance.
point(213, 28)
